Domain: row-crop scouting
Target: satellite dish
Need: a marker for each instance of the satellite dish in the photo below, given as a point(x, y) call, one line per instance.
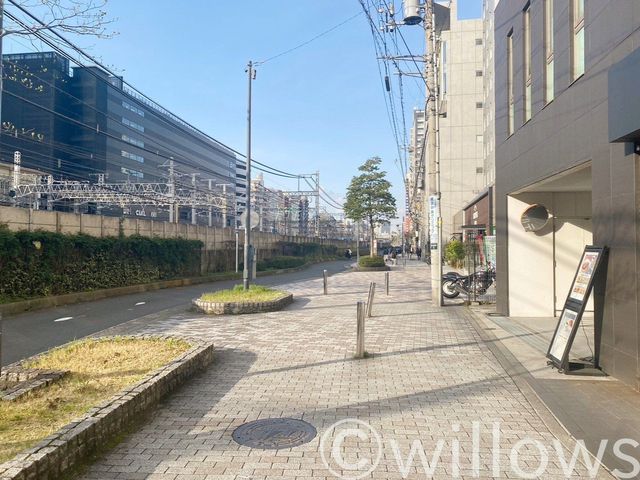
point(255, 219)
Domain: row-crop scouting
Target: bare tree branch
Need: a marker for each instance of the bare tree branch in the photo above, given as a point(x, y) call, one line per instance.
point(79, 17)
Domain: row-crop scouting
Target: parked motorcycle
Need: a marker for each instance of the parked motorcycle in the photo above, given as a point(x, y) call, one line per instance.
point(453, 283)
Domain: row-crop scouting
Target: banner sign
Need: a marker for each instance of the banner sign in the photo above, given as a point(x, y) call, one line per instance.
point(433, 221)
point(574, 307)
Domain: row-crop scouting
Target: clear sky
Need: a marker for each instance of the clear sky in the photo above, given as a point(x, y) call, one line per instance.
point(320, 107)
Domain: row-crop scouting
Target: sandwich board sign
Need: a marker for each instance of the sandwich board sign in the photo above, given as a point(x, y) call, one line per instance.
point(590, 264)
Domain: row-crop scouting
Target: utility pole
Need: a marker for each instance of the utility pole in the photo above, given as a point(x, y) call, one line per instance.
point(226, 206)
point(318, 203)
point(172, 192)
point(194, 219)
point(434, 160)
point(248, 251)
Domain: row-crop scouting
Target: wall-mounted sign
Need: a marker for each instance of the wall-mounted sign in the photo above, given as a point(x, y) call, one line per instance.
point(569, 322)
point(534, 218)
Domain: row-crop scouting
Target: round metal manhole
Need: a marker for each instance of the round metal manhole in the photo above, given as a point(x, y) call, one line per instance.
point(274, 433)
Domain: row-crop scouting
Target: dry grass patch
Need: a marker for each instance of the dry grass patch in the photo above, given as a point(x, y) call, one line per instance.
point(99, 368)
point(256, 293)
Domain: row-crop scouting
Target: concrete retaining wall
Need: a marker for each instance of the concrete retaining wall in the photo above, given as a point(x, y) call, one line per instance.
point(100, 226)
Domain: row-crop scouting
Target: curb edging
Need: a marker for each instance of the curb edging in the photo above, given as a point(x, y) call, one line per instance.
point(238, 308)
point(67, 448)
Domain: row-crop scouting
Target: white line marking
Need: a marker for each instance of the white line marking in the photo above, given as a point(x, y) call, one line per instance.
point(62, 319)
point(140, 303)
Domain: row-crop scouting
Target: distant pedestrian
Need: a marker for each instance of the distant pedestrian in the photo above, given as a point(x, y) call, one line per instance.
point(419, 253)
point(394, 256)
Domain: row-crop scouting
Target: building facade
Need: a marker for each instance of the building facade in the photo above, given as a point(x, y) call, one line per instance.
point(567, 129)
point(460, 60)
point(83, 123)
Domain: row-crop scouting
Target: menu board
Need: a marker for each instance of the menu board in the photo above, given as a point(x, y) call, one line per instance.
point(574, 306)
point(583, 277)
point(563, 334)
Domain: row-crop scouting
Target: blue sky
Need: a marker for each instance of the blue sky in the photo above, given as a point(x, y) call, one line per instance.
point(318, 108)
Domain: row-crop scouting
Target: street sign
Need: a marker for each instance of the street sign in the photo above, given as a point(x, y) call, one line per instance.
point(433, 221)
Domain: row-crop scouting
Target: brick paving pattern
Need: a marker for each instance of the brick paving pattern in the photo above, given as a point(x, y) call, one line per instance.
point(429, 377)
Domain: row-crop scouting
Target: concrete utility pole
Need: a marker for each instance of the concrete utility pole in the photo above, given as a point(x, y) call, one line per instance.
point(248, 254)
point(431, 64)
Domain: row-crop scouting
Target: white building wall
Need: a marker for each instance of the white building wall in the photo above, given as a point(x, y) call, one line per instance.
point(461, 130)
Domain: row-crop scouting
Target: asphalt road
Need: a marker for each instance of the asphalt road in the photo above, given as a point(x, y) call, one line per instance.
point(29, 333)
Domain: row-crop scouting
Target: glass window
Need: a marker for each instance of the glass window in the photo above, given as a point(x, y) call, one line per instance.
point(133, 141)
point(549, 72)
point(132, 156)
point(527, 62)
point(132, 173)
point(510, 98)
point(133, 108)
point(577, 53)
point(134, 125)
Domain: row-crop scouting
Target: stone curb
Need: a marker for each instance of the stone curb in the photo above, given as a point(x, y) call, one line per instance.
point(386, 268)
point(72, 444)
point(235, 308)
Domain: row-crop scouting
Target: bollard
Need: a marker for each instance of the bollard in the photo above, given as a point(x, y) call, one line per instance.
point(386, 281)
point(360, 330)
point(324, 279)
point(372, 291)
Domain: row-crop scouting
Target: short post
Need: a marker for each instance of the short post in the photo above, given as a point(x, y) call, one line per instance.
point(386, 281)
point(372, 291)
point(324, 280)
point(360, 331)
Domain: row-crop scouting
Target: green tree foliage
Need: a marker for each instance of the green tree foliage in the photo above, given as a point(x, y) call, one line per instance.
point(454, 253)
point(41, 263)
point(369, 197)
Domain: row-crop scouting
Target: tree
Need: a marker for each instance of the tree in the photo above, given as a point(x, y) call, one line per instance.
point(369, 198)
point(78, 17)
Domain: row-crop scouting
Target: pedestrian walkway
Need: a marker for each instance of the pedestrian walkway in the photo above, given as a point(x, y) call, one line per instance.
point(430, 382)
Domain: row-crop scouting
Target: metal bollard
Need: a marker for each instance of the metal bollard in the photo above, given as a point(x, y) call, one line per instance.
point(360, 330)
point(386, 281)
point(372, 291)
point(324, 279)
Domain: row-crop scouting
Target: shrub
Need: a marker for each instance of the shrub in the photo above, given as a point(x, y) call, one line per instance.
point(279, 263)
point(454, 253)
point(44, 263)
point(367, 261)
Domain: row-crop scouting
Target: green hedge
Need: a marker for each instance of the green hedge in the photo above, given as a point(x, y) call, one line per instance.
point(291, 249)
point(41, 263)
point(279, 263)
point(368, 261)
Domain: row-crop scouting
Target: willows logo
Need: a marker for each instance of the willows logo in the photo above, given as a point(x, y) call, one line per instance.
point(351, 449)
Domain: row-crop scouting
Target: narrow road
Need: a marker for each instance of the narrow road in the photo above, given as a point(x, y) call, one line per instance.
point(29, 333)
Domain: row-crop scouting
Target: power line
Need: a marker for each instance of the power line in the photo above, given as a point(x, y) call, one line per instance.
point(78, 50)
point(310, 40)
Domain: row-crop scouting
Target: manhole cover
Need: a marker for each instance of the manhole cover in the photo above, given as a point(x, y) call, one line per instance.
point(274, 433)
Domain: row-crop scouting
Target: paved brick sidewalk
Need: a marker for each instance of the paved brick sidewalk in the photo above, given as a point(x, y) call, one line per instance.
point(429, 378)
